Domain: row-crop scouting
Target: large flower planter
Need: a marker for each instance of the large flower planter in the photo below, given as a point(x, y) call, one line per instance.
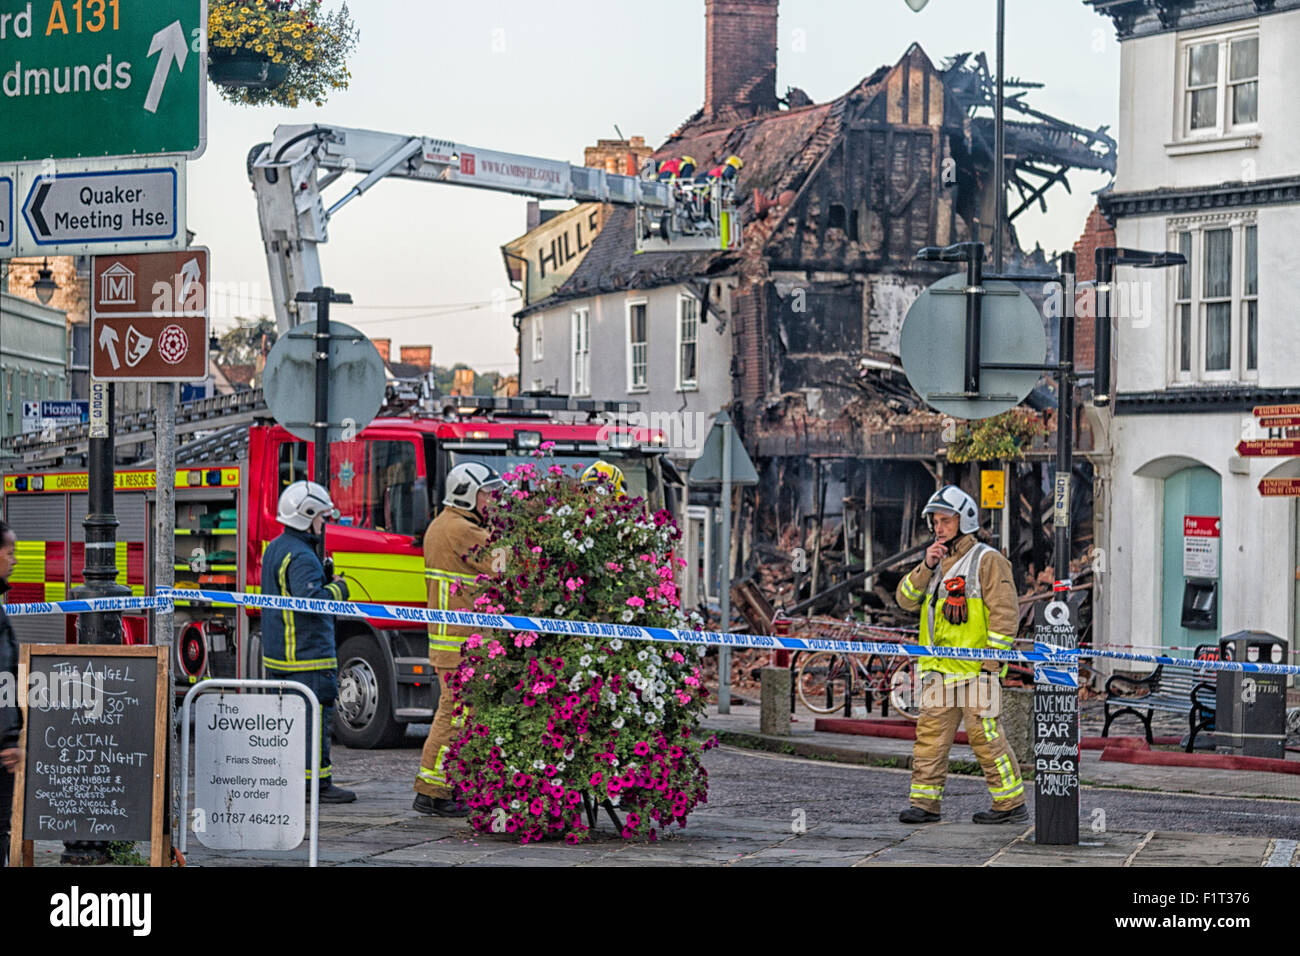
point(245, 69)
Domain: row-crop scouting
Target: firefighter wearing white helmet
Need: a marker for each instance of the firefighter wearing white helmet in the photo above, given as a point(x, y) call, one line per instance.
point(453, 560)
point(966, 596)
point(297, 646)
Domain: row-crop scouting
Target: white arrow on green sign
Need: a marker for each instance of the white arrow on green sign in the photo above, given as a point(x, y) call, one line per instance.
point(82, 78)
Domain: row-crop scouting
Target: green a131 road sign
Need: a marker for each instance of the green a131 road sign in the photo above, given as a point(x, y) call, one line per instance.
point(81, 78)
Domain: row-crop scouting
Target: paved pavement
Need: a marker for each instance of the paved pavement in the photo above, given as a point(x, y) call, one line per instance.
point(772, 806)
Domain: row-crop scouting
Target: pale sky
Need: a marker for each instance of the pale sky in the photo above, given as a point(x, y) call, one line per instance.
point(423, 261)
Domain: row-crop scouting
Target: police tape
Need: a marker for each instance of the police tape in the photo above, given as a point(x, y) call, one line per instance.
point(543, 625)
point(1053, 663)
point(88, 606)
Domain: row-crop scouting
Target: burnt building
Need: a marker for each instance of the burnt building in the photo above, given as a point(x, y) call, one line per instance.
point(797, 332)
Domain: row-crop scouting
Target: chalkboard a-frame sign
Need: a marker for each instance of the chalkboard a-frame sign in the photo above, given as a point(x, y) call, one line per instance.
point(95, 747)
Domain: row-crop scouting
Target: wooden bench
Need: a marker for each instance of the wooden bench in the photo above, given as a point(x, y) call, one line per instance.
point(1167, 689)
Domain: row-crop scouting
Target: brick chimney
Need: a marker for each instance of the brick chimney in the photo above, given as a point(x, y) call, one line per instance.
point(385, 347)
point(421, 356)
point(740, 41)
point(1096, 233)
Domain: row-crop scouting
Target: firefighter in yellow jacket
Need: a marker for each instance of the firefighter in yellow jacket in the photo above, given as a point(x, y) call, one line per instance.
point(967, 598)
point(451, 572)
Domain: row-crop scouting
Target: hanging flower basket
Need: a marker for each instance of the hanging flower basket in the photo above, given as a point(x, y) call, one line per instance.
point(254, 71)
point(278, 52)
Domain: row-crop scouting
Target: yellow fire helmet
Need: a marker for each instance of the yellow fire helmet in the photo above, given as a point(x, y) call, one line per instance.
point(603, 470)
point(688, 159)
point(735, 161)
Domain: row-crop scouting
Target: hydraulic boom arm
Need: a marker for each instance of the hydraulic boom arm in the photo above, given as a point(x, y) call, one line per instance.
point(291, 173)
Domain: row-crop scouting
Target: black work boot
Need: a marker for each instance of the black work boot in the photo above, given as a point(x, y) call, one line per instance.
point(1015, 815)
point(335, 794)
point(438, 806)
point(917, 815)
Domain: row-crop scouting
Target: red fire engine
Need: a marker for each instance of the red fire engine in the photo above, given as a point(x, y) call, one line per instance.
point(387, 484)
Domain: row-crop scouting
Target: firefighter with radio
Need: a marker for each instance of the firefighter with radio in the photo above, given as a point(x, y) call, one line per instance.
point(966, 596)
point(452, 566)
point(298, 646)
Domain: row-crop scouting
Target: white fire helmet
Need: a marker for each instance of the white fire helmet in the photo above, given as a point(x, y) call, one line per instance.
point(466, 480)
point(301, 502)
point(953, 500)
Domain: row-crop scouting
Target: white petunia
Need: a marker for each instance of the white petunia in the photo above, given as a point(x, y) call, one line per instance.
point(558, 610)
point(627, 615)
point(500, 741)
point(617, 723)
point(539, 764)
point(560, 766)
point(616, 645)
point(641, 655)
point(634, 676)
point(659, 703)
point(660, 687)
point(584, 660)
point(649, 718)
point(700, 652)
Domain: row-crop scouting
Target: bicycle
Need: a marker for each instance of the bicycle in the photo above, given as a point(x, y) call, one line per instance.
point(824, 681)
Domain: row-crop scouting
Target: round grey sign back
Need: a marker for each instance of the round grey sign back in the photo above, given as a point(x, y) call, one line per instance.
point(933, 351)
point(357, 381)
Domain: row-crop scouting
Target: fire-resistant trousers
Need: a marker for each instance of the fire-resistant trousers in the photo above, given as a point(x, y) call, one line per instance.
point(325, 685)
point(432, 778)
point(934, 734)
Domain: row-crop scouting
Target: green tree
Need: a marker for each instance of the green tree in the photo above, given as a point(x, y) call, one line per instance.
point(242, 344)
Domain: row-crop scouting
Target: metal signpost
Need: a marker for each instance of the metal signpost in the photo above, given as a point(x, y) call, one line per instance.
point(724, 460)
point(149, 323)
point(103, 78)
point(943, 347)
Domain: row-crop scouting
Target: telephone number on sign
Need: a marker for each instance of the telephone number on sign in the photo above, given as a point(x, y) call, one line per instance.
point(255, 819)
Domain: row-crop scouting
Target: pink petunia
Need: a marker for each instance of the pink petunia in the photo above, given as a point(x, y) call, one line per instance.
point(635, 602)
point(474, 640)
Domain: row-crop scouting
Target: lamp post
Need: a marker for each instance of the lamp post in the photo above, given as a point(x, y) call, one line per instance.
point(44, 285)
point(999, 142)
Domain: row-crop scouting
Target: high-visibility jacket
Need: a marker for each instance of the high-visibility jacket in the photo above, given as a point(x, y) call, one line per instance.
point(992, 606)
point(451, 574)
point(292, 640)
